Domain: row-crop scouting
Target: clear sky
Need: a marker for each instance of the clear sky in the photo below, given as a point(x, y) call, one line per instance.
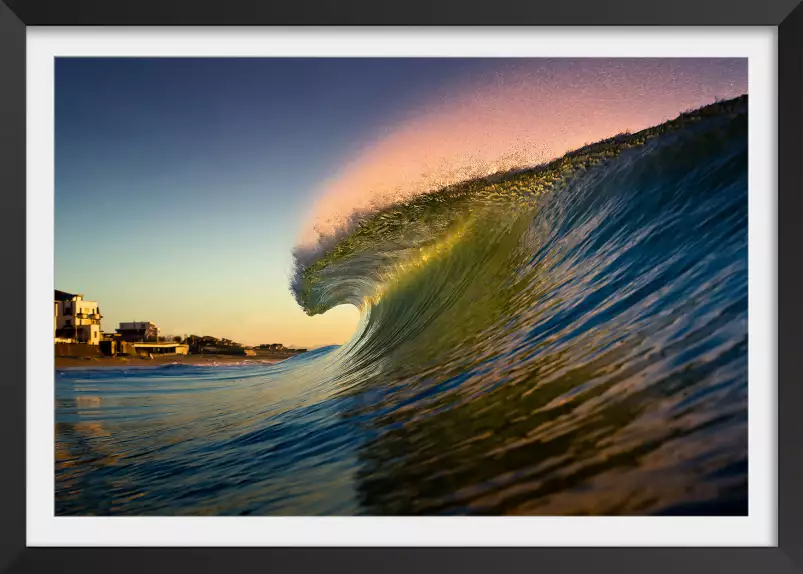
point(182, 185)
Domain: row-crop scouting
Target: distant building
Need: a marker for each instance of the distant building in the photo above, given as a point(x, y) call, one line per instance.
point(76, 320)
point(138, 331)
point(110, 343)
point(272, 347)
point(149, 350)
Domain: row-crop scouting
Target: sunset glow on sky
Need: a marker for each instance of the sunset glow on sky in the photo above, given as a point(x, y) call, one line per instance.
point(182, 185)
point(521, 114)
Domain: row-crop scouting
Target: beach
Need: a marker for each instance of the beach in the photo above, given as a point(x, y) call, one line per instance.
point(209, 359)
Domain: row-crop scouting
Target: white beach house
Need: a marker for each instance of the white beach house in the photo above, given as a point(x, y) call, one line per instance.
point(76, 319)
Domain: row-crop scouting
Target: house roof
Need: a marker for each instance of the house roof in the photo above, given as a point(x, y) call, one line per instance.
point(63, 295)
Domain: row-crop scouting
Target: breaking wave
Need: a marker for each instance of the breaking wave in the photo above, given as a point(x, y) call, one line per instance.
point(566, 339)
point(586, 311)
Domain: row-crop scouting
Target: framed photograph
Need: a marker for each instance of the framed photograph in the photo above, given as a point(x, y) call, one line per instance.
point(415, 287)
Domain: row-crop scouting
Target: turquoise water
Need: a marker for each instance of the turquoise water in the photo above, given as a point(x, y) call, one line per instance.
point(562, 341)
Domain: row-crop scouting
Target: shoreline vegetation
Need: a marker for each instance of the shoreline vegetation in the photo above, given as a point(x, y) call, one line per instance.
point(204, 350)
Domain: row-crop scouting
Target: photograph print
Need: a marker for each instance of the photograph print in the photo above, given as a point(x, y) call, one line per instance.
point(401, 286)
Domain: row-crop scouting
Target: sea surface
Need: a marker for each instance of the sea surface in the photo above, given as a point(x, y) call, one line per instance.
point(570, 339)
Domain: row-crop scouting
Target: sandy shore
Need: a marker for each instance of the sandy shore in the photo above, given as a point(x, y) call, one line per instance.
point(88, 362)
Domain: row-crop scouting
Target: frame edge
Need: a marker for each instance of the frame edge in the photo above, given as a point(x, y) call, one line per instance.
point(790, 285)
point(12, 233)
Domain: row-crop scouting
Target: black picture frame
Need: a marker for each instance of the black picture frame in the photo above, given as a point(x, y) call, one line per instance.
point(787, 15)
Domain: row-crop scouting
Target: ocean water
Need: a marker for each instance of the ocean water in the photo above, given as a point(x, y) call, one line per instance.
point(570, 339)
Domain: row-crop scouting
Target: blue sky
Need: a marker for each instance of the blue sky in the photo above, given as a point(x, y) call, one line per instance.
point(182, 184)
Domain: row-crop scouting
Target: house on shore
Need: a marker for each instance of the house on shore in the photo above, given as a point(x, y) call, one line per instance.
point(114, 344)
point(76, 320)
point(138, 331)
point(152, 349)
point(271, 347)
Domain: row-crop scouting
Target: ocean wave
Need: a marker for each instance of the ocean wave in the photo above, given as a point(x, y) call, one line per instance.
point(564, 339)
